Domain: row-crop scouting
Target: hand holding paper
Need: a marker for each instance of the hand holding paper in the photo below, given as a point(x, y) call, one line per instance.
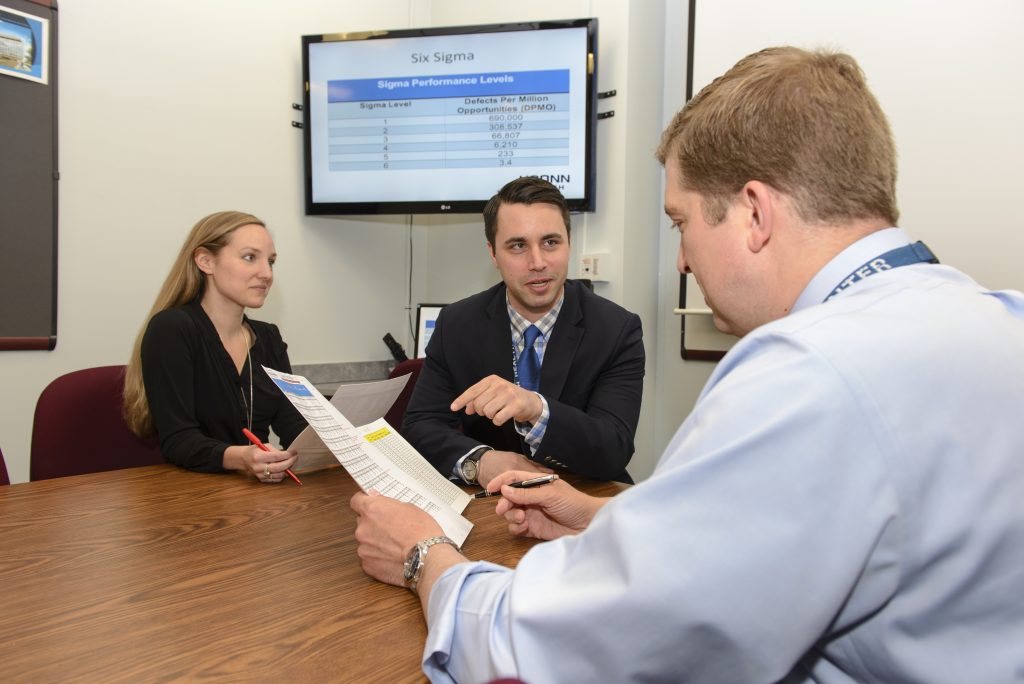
point(378, 458)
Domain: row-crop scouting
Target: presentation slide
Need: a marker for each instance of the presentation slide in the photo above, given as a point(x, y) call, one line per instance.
point(415, 119)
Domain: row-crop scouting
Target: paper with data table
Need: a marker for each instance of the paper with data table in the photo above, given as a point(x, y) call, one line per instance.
point(379, 458)
point(360, 403)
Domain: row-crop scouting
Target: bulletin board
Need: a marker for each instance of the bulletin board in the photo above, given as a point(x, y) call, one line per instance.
point(28, 174)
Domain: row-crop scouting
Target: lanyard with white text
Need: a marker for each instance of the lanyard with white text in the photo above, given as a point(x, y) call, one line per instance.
point(515, 361)
point(906, 255)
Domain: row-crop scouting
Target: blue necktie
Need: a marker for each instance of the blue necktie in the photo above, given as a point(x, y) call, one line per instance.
point(528, 365)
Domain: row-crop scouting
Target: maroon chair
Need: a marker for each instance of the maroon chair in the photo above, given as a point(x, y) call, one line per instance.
point(3, 471)
point(396, 414)
point(78, 427)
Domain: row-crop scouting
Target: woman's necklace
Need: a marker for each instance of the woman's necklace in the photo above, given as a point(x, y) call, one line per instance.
point(248, 358)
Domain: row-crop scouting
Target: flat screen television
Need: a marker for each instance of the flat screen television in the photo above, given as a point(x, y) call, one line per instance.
point(436, 120)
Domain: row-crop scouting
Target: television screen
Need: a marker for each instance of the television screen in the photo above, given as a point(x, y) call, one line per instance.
point(436, 120)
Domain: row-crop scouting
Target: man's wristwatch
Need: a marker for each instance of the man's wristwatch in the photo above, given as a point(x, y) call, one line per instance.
point(470, 466)
point(413, 568)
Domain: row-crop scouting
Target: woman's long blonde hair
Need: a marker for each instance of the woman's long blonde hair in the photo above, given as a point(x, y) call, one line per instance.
point(184, 283)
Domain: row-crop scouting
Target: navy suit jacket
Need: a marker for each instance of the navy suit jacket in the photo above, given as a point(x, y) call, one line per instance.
point(592, 377)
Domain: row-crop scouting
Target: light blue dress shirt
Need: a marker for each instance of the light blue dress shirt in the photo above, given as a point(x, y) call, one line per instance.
point(845, 503)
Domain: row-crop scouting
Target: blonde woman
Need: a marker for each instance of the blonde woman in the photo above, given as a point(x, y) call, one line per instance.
point(195, 376)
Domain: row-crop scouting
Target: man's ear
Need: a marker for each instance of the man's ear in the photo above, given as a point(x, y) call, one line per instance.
point(759, 202)
point(490, 250)
point(204, 260)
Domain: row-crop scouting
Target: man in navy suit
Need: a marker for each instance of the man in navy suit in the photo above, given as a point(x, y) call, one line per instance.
point(536, 373)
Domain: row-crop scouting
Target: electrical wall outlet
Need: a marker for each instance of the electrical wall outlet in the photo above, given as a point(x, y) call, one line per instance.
point(595, 266)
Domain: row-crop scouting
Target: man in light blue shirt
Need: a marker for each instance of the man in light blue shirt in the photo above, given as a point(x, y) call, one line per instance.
point(844, 503)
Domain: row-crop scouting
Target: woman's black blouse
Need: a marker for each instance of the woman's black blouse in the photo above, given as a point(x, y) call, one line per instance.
point(198, 400)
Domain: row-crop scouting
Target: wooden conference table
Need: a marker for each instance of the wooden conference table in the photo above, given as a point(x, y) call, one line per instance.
point(157, 573)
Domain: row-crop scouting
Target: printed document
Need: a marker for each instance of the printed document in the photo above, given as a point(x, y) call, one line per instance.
point(360, 403)
point(379, 458)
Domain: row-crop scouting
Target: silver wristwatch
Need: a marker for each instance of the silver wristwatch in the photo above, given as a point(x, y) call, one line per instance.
point(417, 557)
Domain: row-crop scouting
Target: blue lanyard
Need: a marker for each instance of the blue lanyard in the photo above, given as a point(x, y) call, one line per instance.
point(906, 255)
point(515, 355)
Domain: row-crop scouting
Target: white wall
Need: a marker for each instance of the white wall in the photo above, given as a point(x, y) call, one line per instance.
point(947, 75)
point(678, 382)
point(171, 109)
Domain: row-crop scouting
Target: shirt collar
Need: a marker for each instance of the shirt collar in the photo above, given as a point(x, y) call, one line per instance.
point(546, 322)
point(842, 264)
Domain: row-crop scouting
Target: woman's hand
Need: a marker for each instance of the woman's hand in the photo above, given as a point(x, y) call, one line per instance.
point(265, 466)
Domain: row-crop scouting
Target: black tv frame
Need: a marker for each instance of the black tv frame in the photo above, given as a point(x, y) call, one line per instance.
point(442, 205)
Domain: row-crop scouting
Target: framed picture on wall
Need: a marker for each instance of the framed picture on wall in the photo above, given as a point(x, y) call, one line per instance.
point(426, 316)
point(24, 43)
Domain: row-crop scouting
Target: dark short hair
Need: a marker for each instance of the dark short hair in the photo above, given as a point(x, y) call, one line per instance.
point(524, 190)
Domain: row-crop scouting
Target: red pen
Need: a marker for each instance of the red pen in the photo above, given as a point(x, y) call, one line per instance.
point(256, 440)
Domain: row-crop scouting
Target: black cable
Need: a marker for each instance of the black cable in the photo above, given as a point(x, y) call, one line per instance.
point(408, 306)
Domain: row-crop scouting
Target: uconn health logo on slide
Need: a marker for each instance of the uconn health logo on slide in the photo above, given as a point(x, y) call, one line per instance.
point(559, 180)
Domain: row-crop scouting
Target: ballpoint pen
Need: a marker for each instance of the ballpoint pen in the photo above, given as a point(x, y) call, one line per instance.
point(256, 440)
point(525, 484)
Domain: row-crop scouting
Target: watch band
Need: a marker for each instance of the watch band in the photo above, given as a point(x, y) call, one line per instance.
point(418, 556)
